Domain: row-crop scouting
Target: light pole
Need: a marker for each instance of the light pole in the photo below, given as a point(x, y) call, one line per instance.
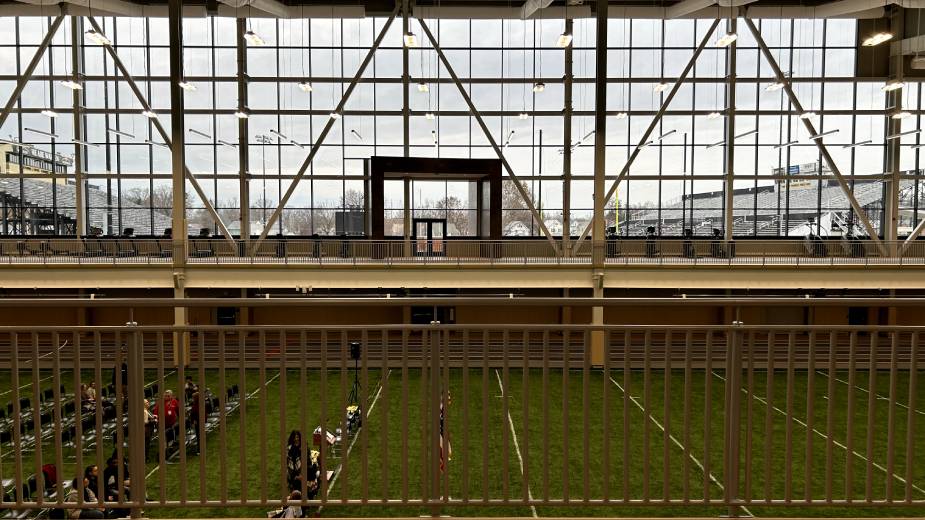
point(264, 140)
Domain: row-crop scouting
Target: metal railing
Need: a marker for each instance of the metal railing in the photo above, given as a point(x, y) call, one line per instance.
point(438, 417)
point(360, 252)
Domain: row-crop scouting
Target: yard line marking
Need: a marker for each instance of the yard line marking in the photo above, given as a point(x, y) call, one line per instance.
point(834, 441)
point(246, 397)
point(520, 458)
point(27, 385)
point(355, 437)
point(866, 391)
point(678, 443)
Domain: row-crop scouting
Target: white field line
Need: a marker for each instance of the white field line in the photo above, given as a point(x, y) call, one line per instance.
point(866, 391)
point(520, 458)
point(678, 443)
point(248, 396)
point(357, 436)
point(834, 441)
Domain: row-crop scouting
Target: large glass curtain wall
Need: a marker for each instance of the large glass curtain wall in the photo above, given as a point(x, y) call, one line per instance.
point(675, 183)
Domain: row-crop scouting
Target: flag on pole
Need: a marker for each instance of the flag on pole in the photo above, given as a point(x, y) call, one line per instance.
point(446, 451)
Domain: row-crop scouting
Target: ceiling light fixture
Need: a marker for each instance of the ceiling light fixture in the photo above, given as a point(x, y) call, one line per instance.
point(84, 143)
point(305, 86)
point(901, 115)
point(423, 87)
point(199, 133)
point(187, 86)
point(660, 87)
point(242, 114)
point(71, 84)
point(49, 113)
point(430, 116)
point(745, 134)
point(893, 84)
point(774, 87)
point(410, 39)
point(98, 37)
point(433, 134)
point(357, 135)
point(523, 115)
point(565, 39)
point(254, 39)
point(785, 145)
point(823, 134)
point(508, 140)
point(808, 115)
point(41, 132)
point(150, 114)
point(335, 115)
point(902, 134)
point(120, 132)
point(714, 115)
point(877, 39)
point(621, 115)
point(717, 143)
point(855, 145)
point(666, 134)
point(538, 87)
point(155, 143)
point(282, 136)
point(726, 39)
point(225, 143)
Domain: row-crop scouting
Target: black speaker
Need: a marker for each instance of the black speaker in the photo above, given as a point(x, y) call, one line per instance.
point(355, 350)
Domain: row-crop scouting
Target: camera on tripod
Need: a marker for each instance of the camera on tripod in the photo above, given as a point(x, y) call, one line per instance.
point(354, 415)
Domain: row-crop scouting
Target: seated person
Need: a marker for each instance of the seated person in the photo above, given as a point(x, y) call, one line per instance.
point(294, 510)
point(89, 498)
point(111, 480)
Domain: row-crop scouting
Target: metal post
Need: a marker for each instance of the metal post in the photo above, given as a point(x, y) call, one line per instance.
point(491, 140)
point(788, 88)
point(406, 126)
point(243, 137)
point(895, 99)
point(180, 235)
point(654, 123)
point(728, 215)
point(732, 422)
point(599, 244)
point(327, 129)
point(175, 110)
point(567, 146)
point(80, 201)
point(30, 69)
point(136, 415)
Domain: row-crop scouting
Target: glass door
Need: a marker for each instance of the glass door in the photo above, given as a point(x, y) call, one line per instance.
point(429, 236)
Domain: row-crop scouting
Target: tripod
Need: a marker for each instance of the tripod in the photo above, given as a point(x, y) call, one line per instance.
point(354, 396)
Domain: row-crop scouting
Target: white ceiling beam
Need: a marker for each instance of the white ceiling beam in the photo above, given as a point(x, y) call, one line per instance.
point(530, 7)
point(117, 7)
point(686, 7)
point(272, 7)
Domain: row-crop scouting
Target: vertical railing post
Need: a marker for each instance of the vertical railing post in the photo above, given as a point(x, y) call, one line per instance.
point(136, 414)
point(732, 420)
point(435, 401)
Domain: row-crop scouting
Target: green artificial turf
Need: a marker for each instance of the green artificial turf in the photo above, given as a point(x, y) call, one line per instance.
point(557, 422)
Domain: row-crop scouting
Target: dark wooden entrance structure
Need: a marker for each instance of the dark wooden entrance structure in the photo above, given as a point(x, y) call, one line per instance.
point(485, 173)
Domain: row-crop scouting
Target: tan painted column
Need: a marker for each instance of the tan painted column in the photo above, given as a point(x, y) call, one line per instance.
point(600, 184)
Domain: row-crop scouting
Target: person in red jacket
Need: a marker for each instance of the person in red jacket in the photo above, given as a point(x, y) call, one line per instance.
point(171, 410)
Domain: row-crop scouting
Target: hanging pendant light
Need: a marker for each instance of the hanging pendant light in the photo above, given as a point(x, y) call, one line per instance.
point(71, 84)
point(49, 113)
point(150, 114)
point(305, 86)
point(423, 87)
point(660, 87)
point(410, 39)
point(893, 84)
point(187, 86)
point(564, 40)
point(97, 37)
point(254, 39)
point(538, 87)
point(726, 39)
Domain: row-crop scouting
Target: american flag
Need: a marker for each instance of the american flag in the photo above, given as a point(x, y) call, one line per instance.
point(446, 451)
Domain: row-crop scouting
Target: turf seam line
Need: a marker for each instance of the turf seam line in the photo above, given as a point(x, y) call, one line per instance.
point(866, 391)
point(677, 443)
point(834, 441)
point(520, 458)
